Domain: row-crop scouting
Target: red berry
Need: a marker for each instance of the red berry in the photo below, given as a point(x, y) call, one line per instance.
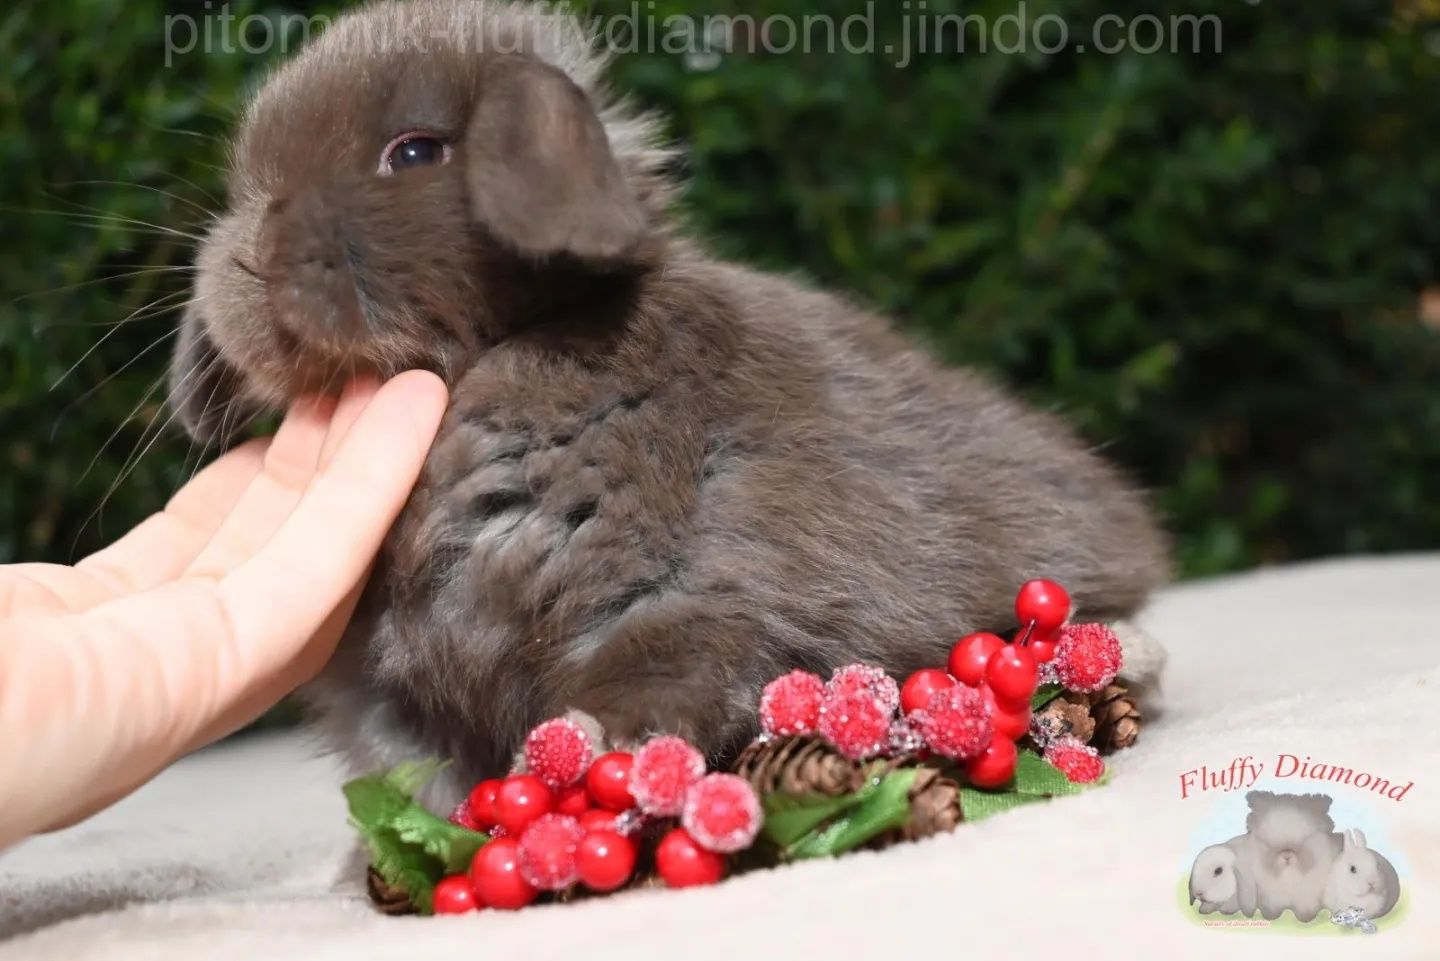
point(663, 771)
point(1043, 651)
point(462, 817)
point(956, 723)
point(864, 679)
point(573, 801)
point(921, 685)
point(722, 813)
point(1044, 603)
point(482, 803)
point(970, 655)
point(547, 852)
point(605, 860)
point(1088, 657)
point(558, 752)
point(520, 799)
point(597, 819)
point(995, 766)
point(682, 863)
point(495, 876)
point(857, 724)
point(1081, 763)
point(1012, 673)
point(1011, 719)
point(454, 895)
point(608, 781)
point(790, 704)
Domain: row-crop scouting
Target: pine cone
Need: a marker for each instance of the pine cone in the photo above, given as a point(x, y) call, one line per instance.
point(1066, 716)
point(934, 805)
point(1117, 718)
point(798, 765)
point(389, 900)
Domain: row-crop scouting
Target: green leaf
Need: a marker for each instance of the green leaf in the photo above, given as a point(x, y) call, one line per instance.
point(789, 818)
point(410, 847)
point(978, 805)
point(1037, 777)
point(1044, 695)
point(885, 806)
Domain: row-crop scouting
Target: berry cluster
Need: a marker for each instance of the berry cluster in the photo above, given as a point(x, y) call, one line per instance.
point(973, 711)
point(575, 818)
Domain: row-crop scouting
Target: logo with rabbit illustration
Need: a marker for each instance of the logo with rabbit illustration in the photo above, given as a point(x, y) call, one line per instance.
point(1292, 858)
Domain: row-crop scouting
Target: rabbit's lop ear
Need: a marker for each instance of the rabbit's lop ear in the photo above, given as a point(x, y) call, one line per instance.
point(540, 171)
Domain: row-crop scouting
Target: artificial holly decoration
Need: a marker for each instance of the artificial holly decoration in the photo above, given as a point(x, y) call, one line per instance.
point(853, 760)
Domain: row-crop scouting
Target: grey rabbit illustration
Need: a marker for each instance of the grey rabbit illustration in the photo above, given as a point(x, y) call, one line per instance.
point(1290, 849)
point(663, 479)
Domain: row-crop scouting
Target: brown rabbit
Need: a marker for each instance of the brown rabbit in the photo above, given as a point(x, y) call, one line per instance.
point(663, 479)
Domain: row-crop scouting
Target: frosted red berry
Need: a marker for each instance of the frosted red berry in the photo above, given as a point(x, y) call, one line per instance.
point(1088, 657)
point(1012, 673)
point(495, 876)
point(995, 766)
point(790, 704)
point(920, 686)
point(608, 781)
point(573, 801)
point(520, 799)
point(547, 852)
point(454, 895)
point(558, 752)
point(462, 817)
point(482, 803)
point(956, 723)
point(1010, 719)
point(865, 679)
point(1080, 763)
point(682, 863)
point(722, 813)
point(970, 655)
point(858, 725)
point(605, 860)
point(1042, 603)
point(663, 771)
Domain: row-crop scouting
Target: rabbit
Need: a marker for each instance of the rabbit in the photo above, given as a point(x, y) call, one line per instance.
point(1220, 882)
point(1290, 850)
point(663, 479)
point(1361, 878)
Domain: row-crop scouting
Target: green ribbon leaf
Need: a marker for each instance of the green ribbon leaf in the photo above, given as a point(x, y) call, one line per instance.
point(884, 806)
point(978, 805)
point(1037, 777)
point(789, 818)
point(411, 848)
point(1044, 695)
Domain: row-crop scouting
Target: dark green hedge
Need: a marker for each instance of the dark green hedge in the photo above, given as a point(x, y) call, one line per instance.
point(1213, 262)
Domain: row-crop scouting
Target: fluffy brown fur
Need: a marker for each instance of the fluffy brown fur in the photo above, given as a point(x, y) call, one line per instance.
point(663, 479)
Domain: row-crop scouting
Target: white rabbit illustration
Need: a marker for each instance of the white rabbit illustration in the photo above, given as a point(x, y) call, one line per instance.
point(1217, 881)
point(1361, 878)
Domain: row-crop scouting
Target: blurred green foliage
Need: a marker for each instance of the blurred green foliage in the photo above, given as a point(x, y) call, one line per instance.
point(1211, 262)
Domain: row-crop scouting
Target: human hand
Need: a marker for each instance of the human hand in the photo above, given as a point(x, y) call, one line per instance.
point(205, 614)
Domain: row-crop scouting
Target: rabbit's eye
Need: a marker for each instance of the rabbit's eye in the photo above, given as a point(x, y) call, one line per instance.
point(1219, 871)
point(1352, 870)
point(413, 150)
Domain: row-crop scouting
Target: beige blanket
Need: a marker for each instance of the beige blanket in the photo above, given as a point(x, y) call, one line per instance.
point(236, 852)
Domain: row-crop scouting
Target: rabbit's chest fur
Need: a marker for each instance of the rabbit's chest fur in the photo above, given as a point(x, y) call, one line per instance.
point(650, 527)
